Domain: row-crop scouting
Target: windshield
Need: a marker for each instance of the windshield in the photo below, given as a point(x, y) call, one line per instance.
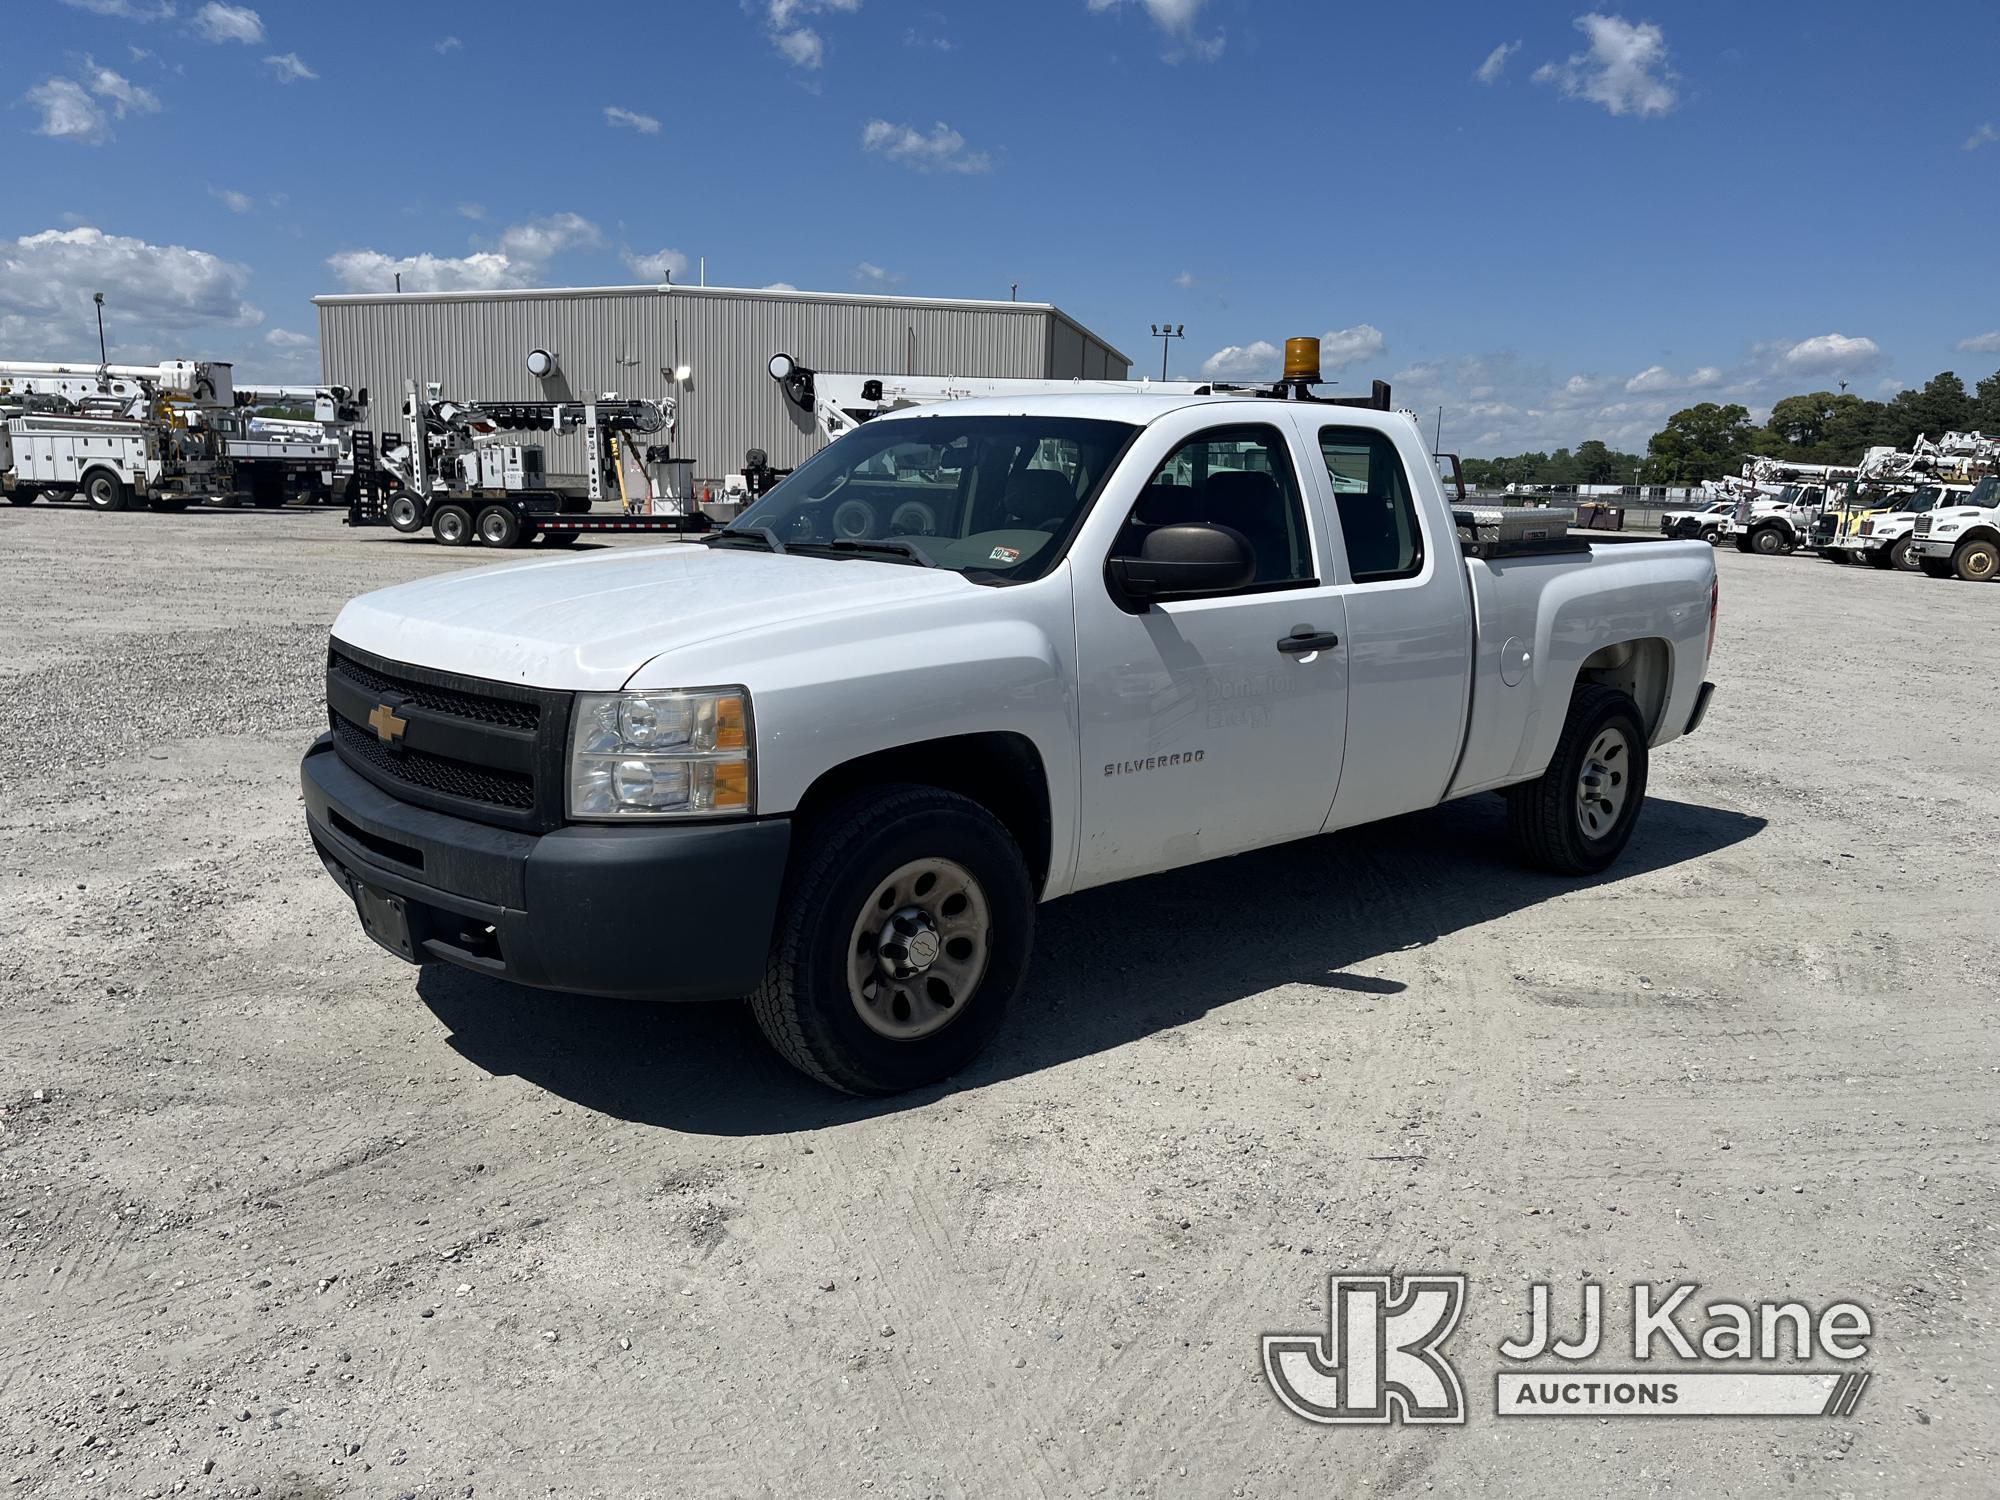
point(1922, 499)
point(991, 497)
point(1985, 493)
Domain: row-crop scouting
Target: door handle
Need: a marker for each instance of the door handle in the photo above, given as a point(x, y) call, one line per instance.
point(1304, 640)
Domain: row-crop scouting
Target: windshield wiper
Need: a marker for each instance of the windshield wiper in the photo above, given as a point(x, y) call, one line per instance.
point(762, 534)
point(892, 545)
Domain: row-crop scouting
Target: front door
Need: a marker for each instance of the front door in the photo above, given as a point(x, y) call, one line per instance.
point(1206, 728)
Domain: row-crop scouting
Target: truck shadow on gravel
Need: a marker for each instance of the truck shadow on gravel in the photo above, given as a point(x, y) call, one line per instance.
point(1110, 966)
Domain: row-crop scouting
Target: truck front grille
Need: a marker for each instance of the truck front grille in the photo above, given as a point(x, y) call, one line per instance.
point(433, 773)
point(490, 751)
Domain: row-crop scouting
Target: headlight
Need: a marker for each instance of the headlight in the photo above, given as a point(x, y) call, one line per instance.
point(1947, 528)
point(661, 755)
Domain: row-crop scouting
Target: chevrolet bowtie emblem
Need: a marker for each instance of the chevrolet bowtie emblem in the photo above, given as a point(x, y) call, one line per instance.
point(387, 725)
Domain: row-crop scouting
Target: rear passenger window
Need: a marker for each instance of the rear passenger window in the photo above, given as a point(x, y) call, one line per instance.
point(1378, 515)
point(1240, 477)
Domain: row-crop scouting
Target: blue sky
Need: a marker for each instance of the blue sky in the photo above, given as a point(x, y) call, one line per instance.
point(1557, 223)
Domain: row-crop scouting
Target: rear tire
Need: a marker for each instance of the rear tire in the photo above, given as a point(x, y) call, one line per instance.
point(168, 504)
point(104, 490)
point(832, 1001)
point(1743, 542)
point(499, 526)
point(1835, 555)
point(561, 538)
point(23, 497)
point(1578, 815)
point(452, 525)
point(1711, 534)
point(1976, 562)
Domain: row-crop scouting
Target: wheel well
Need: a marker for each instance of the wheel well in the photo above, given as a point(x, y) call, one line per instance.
point(1643, 670)
point(1977, 534)
point(83, 479)
point(1000, 771)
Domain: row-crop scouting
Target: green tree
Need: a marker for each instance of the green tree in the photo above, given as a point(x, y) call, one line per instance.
point(1597, 464)
point(1941, 406)
point(1986, 405)
point(1700, 442)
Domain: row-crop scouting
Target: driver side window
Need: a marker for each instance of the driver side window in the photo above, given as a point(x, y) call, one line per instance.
point(1241, 477)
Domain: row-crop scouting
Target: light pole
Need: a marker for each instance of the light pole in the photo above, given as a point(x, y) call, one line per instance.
point(1165, 332)
point(103, 358)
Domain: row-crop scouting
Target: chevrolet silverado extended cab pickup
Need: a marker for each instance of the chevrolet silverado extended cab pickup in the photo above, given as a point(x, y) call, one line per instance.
point(970, 658)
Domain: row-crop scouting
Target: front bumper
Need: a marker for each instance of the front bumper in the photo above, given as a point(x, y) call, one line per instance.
point(641, 913)
point(1940, 547)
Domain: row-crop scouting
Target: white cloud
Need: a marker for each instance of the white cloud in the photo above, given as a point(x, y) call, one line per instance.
point(288, 68)
point(874, 275)
point(1829, 353)
point(779, 286)
point(661, 265)
point(943, 150)
point(1184, 280)
point(1258, 361)
point(46, 281)
point(235, 202)
point(914, 38)
point(522, 257)
point(129, 10)
point(1496, 62)
point(446, 44)
point(1984, 343)
point(472, 210)
point(1625, 69)
point(1342, 347)
point(1176, 19)
point(285, 339)
point(1985, 135)
point(228, 23)
point(83, 111)
point(1660, 378)
point(800, 45)
point(631, 120)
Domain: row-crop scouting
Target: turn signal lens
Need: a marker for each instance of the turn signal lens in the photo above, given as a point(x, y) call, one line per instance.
point(731, 731)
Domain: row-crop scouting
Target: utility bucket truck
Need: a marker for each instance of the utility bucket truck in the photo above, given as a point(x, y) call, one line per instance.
point(115, 434)
point(279, 458)
point(1080, 637)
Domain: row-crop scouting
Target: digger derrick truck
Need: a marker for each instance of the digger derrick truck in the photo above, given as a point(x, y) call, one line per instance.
point(463, 471)
point(277, 458)
point(117, 435)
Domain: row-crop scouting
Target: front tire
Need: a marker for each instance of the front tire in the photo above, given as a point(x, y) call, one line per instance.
point(1976, 562)
point(406, 513)
point(1901, 556)
point(1578, 815)
point(904, 933)
point(452, 525)
point(1769, 541)
point(1711, 534)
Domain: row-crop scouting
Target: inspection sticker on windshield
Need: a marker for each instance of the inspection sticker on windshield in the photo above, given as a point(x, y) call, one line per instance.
point(1004, 554)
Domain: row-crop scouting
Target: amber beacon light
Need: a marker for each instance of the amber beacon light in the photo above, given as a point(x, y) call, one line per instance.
point(1302, 361)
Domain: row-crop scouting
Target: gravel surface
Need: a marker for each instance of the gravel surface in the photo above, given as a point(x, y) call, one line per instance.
point(281, 1216)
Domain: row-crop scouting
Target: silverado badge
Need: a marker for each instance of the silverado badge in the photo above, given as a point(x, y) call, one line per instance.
point(387, 725)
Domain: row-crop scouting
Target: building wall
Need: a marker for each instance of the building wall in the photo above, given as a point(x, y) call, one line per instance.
point(620, 338)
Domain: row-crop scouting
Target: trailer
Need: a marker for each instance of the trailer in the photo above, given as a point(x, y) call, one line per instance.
point(458, 470)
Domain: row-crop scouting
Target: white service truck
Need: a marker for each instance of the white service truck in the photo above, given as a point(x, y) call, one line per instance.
point(966, 659)
point(115, 435)
point(1961, 541)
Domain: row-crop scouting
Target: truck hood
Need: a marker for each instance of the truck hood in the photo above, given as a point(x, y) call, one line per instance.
point(589, 623)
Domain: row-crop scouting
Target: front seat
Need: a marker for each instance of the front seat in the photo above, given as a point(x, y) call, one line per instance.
point(1251, 501)
point(1038, 500)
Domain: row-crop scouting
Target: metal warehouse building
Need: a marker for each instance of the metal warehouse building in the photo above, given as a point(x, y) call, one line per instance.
point(621, 338)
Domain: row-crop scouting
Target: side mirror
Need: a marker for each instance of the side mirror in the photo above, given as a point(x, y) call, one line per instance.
point(1185, 561)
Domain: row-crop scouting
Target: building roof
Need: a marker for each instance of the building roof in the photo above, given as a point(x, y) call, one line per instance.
point(513, 294)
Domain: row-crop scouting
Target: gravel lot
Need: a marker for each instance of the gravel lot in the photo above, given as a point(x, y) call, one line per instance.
point(282, 1216)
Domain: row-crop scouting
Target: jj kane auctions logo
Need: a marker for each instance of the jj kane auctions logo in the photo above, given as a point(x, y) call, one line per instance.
point(1381, 1358)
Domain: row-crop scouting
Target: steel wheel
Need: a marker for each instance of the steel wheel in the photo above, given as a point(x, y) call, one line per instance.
point(406, 514)
point(919, 949)
point(1603, 782)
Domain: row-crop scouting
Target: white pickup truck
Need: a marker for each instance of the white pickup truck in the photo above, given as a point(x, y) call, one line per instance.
point(967, 659)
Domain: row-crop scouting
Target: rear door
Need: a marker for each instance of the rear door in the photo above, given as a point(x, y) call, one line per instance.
point(1409, 617)
point(1203, 731)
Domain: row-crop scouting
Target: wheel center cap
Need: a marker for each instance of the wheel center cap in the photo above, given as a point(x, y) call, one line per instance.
point(908, 944)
